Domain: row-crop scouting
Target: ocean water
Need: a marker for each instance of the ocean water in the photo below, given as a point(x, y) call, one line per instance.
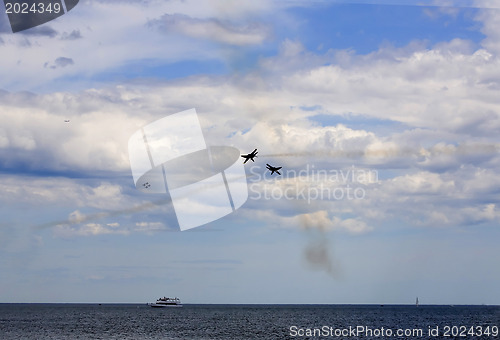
point(132, 321)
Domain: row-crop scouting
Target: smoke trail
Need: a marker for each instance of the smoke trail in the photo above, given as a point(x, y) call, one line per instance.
point(318, 252)
point(437, 150)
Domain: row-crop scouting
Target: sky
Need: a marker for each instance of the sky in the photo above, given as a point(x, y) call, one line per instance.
point(383, 114)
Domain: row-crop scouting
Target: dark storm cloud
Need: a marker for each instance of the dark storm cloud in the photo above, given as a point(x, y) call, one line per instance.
point(63, 62)
point(60, 62)
point(75, 34)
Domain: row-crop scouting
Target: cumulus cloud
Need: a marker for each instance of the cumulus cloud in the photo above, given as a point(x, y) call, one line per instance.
point(150, 227)
point(34, 126)
point(444, 96)
point(79, 224)
point(35, 133)
point(422, 82)
point(98, 32)
point(463, 198)
point(88, 229)
point(213, 29)
point(321, 220)
point(63, 192)
point(491, 24)
point(445, 4)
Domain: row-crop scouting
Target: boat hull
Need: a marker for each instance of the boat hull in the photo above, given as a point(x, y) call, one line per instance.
point(156, 305)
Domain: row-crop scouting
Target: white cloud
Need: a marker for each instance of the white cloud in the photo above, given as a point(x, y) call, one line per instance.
point(422, 183)
point(296, 138)
point(88, 229)
point(321, 220)
point(149, 227)
point(423, 88)
point(415, 96)
point(63, 192)
point(212, 29)
point(79, 224)
point(454, 199)
point(446, 4)
point(491, 25)
point(445, 97)
point(105, 36)
point(460, 198)
point(91, 140)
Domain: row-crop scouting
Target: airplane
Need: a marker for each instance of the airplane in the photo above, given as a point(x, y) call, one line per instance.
point(250, 156)
point(273, 169)
point(66, 120)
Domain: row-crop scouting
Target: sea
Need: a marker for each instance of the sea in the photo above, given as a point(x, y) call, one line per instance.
point(134, 321)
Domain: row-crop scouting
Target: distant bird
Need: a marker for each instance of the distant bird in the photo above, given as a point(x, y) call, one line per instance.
point(66, 120)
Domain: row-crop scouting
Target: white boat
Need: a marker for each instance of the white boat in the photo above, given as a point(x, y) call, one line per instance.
point(167, 302)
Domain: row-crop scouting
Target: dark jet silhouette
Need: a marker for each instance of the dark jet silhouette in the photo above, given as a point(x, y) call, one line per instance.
point(250, 156)
point(66, 120)
point(273, 169)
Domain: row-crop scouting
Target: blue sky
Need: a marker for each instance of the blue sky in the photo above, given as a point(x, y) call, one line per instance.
point(364, 28)
point(404, 91)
